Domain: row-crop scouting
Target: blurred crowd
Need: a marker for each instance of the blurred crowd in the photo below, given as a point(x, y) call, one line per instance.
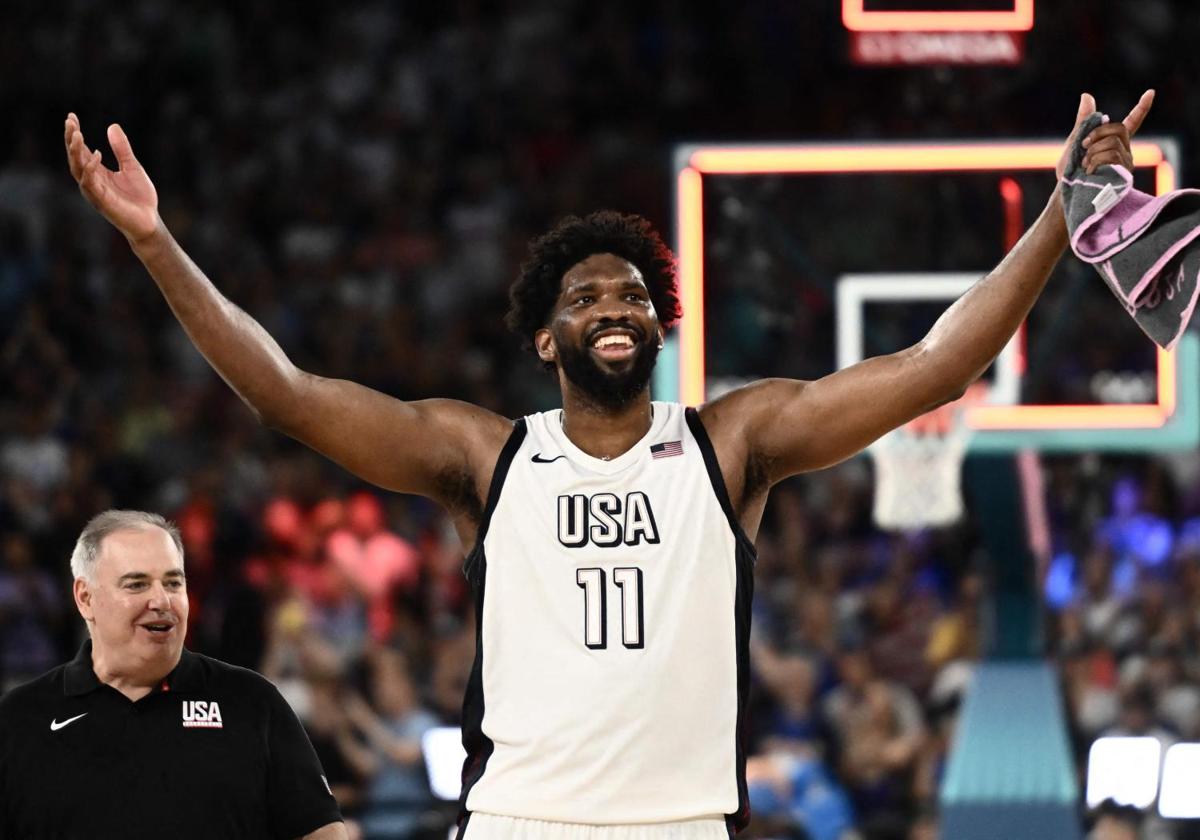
point(1124, 596)
point(362, 179)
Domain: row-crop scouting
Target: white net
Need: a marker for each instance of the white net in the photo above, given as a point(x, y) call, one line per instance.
point(918, 478)
point(918, 468)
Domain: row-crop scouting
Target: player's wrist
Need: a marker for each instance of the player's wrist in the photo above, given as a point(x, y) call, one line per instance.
point(1056, 215)
point(148, 241)
point(1055, 200)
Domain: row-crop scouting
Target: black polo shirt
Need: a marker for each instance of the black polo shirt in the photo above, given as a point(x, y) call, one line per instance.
point(214, 752)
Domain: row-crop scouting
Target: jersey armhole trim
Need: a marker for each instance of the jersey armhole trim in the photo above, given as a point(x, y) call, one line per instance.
point(717, 479)
point(515, 439)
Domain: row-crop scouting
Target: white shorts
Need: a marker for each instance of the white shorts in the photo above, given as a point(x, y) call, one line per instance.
point(491, 827)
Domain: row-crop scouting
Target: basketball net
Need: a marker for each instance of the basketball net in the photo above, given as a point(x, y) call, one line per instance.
point(918, 467)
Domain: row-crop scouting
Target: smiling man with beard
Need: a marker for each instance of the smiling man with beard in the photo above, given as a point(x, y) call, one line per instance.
point(608, 360)
point(139, 737)
point(612, 539)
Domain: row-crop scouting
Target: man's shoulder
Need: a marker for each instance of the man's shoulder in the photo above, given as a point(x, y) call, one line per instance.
point(220, 675)
point(32, 695)
point(235, 684)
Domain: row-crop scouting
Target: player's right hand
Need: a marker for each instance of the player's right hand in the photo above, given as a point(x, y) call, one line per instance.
point(127, 197)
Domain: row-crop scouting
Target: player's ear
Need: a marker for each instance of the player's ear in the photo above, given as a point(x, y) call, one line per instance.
point(662, 337)
point(543, 342)
point(83, 599)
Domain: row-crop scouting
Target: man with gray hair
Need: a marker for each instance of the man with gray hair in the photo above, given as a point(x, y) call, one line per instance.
point(139, 737)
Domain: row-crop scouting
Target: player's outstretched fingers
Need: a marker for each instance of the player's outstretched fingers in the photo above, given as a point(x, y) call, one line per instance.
point(90, 168)
point(83, 157)
point(77, 151)
point(121, 148)
point(1087, 105)
point(1133, 121)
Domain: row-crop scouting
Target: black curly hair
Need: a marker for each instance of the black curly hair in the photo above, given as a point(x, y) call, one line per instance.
point(573, 240)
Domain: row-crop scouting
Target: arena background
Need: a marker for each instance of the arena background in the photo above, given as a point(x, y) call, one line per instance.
point(363, 178)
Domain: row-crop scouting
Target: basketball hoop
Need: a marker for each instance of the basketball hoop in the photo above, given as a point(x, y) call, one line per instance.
point(918, 467)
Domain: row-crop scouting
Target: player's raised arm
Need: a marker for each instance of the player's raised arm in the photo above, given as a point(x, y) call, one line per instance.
point(424, 447)
point(790, 426)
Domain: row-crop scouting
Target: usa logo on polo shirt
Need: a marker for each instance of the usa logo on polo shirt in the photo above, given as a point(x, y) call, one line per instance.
point(201, 714)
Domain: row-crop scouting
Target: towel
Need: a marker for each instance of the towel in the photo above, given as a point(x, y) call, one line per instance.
point(1145, 247)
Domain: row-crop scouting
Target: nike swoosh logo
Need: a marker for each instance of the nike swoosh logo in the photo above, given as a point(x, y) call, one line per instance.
point(55, 725)
point(538, 459)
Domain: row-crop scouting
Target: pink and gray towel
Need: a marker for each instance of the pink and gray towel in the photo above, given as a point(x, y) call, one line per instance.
point(1147, 248)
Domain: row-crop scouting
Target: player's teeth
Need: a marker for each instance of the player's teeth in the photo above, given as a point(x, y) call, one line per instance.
point(615, 341)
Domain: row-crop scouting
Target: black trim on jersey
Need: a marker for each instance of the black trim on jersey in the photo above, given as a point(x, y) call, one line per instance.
point(479, 747)
point(499, 473)
point(718, 480)
point(743, 599)
point(745, 556)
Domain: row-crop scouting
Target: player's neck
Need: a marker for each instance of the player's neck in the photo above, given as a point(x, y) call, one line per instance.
point(604, 432)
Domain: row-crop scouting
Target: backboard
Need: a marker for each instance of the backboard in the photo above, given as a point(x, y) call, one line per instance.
point(1163, 415)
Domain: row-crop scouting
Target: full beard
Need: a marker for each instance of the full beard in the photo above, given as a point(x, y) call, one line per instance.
point(611, 391)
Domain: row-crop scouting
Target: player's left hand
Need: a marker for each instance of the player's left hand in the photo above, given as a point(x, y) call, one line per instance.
point(1107, 143)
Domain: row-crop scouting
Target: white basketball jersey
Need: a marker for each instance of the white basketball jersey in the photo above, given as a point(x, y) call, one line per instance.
point(613, 606)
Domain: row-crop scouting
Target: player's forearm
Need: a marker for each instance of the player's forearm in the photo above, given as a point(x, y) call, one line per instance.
point(237, 347)
point(973, 331)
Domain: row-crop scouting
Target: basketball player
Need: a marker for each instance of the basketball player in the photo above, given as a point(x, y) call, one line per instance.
point(612, 540)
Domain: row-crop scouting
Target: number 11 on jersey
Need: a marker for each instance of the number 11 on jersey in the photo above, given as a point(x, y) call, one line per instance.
point(595, 606)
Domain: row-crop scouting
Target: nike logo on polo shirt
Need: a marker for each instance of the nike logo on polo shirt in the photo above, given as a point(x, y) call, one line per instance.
point(55, 725)
point(538, 459)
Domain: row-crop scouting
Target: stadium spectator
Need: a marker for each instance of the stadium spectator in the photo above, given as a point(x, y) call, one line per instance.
point(32, 610)
point(1138, 717)
point(398, 793)
point(879, 730)
point(374, 560)
point(793, 790)
point(1111, 821)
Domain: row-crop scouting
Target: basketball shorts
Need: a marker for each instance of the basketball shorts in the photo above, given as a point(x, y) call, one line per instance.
point(492, 827)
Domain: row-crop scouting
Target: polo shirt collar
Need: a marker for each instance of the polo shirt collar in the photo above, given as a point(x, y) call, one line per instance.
point(80, 678)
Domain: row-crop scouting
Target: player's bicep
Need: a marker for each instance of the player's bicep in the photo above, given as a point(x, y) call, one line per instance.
point(408, 447)
point(805, 426)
